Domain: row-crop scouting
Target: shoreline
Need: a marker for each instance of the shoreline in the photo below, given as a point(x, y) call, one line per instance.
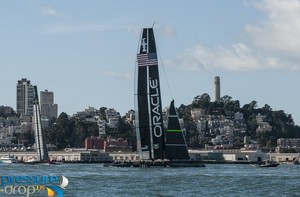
point(83, 156)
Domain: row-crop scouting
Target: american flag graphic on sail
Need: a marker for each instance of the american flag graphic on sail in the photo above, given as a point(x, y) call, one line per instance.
point(147, 59)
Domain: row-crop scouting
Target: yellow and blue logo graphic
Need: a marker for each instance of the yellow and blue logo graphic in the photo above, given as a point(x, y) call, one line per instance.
point(57, 190)
point(29, 185)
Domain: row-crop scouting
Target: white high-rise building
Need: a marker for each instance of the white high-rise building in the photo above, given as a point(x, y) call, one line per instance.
point(25, 96)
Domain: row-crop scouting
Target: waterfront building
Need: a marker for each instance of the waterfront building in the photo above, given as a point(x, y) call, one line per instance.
point(48, 108)
point(107, 145)
point(229, 155)
point(94, 143)
point(94, 156)
point(25, 95)
point(69, 155)
point(284, 157)
point(116, 145)
point(121, 156)
point(217, 86)
point(245, 155)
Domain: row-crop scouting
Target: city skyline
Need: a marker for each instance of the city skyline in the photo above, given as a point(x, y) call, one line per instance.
point(86, 52)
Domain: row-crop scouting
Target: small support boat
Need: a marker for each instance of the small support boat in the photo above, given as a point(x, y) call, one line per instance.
point(268, 163)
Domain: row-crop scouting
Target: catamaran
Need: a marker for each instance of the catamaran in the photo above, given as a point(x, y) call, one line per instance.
point(156, 146)
point(40, 142)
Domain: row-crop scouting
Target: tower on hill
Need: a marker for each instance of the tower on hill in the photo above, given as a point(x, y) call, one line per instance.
point(217, 89)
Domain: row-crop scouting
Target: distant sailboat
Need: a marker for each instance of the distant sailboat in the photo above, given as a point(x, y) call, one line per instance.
point(40, 143)
point(41, 147)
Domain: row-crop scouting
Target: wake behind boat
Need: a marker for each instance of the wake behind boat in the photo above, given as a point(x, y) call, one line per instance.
point(32, 160)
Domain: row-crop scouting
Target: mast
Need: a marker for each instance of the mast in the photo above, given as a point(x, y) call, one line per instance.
point(41, 148)
point(149, 120)
point(176, 147)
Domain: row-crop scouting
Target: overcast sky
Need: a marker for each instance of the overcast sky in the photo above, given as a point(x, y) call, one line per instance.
point(85, 51)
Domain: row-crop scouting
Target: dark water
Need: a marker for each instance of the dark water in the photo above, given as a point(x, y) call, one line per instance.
point(213, 180)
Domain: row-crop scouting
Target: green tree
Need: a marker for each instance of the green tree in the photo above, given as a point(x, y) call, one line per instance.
point(202, 101)
point(61, 134)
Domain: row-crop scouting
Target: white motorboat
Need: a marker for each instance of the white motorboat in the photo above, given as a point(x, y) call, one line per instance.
point(8, 159)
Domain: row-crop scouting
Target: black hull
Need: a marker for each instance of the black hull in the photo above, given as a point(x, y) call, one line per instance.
point(43, 163)
point(268, 165)
point(186, 164)
point(160, 164)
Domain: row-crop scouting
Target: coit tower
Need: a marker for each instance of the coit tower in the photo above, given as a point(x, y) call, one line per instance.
point(217, 89)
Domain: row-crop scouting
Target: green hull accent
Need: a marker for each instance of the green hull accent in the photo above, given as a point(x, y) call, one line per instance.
point(174, 131)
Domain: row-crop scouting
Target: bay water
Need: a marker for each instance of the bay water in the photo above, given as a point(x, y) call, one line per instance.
point(94, 180)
